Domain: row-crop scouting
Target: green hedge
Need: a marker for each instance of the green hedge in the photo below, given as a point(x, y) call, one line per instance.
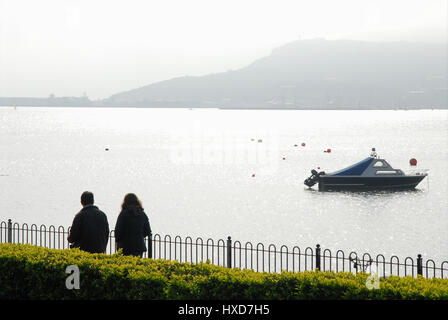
point(30, 272)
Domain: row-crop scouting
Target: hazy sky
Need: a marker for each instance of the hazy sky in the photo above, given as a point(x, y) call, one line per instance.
point(101, 47)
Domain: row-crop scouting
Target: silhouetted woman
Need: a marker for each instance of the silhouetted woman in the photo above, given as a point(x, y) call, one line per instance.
point(132, 227)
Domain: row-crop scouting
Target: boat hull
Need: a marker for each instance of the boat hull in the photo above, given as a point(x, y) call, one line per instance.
point(328, 182)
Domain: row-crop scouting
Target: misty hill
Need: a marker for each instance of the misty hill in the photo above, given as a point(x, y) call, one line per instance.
point(314, 74)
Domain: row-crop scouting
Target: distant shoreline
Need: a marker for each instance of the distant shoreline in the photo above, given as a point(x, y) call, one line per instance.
point(246, 109)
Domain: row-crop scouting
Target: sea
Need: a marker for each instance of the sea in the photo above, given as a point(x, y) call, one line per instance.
point(214, 173)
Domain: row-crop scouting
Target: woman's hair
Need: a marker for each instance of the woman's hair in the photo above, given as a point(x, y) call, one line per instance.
point(131, 202)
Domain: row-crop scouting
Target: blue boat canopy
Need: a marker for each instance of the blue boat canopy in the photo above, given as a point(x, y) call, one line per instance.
point(354, 170)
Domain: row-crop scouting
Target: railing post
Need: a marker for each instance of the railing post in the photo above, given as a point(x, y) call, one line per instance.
point(318, 257)
point(229, 252)
point(9, 231)
point(419, 265)
point(150, 245)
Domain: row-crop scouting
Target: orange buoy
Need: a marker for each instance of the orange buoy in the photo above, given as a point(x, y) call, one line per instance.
point(328, 150)
point(284, 158)
point(413, 162)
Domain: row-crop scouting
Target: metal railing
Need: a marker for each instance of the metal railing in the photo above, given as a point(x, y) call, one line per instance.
point(234, 254)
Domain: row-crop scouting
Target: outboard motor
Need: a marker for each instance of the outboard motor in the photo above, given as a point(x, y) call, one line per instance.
point(313, 179)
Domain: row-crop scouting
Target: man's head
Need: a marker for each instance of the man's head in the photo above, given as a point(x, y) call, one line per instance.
point(86, 198)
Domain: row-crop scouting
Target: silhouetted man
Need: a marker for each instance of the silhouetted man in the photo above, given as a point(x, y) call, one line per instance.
point(90, 229)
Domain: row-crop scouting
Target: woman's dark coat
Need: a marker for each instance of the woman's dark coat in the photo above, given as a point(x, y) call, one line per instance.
point(131, 229)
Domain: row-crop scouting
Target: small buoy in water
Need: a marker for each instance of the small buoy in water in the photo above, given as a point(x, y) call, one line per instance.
point(295, 145)
point(259, 140)
point(328, 150)
point(284, 158)
point(303, 144)
point(413, 162)
point(318, 168)
point(253, 175)
point(107, 149)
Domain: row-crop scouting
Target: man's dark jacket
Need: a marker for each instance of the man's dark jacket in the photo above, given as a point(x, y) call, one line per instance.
point(131, 229)
point(90, 230)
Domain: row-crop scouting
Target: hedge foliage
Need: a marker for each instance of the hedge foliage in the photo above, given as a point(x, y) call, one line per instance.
point(30, 272)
